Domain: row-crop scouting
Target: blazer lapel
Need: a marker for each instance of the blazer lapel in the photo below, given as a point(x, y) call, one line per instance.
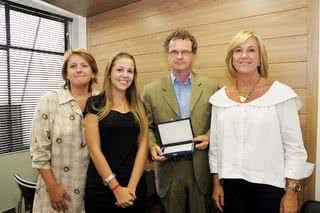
point(169, 94)
point(196, 90)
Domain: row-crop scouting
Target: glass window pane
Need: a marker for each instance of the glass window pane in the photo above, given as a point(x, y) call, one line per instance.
point(51, 36)
point(3, 78)
point(34, 32)
point(32, 75)
point(3, 30)
point(28, 73)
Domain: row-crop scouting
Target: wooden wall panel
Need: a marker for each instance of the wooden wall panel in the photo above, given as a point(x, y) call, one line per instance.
point(138, 10)
point(312, 89)
point(285, 26)
point(289, 23)
point(280, 50)
point(214, 11)
point(279, 72)
point(212, 56)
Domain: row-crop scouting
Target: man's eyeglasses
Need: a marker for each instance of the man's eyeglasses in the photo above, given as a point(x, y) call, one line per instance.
point(183, 53)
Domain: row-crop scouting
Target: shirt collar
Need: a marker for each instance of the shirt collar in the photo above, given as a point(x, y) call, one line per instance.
point(174, 79)
point(65, 96)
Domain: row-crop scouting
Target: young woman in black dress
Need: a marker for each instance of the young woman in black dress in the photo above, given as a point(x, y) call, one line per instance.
point(116, 134)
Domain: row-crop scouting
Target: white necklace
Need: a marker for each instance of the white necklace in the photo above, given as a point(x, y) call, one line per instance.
point(244, 98)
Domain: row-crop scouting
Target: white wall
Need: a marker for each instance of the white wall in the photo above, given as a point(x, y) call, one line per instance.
point(79, 32)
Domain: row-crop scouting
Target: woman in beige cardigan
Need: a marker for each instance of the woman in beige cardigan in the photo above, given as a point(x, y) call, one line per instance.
point(58, 149)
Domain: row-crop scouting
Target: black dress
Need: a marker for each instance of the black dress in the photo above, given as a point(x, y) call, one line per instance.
point(119, 144)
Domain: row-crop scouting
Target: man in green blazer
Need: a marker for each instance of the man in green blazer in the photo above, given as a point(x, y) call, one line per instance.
point(183, 183)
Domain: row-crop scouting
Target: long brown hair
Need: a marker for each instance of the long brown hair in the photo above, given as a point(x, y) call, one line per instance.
point(132, 94)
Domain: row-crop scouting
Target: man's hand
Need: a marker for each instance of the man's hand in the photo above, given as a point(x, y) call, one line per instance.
point(201, 141)
point(156, 153)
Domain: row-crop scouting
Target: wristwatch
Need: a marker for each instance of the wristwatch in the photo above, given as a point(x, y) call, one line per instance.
point(296, 187)
point(107, 180)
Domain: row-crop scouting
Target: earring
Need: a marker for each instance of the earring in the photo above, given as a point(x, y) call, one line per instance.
point(94, 79)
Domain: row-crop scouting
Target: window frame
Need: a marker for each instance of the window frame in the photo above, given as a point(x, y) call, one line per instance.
point(11, 6)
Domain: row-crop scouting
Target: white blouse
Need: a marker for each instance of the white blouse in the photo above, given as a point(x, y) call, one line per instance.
point(259, 141)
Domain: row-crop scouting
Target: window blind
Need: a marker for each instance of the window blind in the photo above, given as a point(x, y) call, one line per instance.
point(32, 44)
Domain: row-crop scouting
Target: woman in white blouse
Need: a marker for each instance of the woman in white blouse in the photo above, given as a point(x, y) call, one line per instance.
point(256, 151)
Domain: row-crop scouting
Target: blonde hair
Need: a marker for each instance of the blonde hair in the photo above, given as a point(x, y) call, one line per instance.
point(239, 39)
point(132, 94)
point(87, 57)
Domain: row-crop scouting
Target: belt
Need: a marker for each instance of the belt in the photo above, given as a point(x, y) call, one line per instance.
point(181, 157)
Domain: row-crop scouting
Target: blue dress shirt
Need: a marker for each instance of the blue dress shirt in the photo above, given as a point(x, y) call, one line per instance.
point(183, 94)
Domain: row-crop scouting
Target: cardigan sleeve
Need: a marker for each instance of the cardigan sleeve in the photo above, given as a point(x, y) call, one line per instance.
point(41, 141)
point(295, 155)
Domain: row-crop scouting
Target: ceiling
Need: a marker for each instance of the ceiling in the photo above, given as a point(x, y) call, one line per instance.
point(89, 8)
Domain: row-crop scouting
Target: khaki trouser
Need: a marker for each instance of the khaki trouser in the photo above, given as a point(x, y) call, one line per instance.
point(184, 194)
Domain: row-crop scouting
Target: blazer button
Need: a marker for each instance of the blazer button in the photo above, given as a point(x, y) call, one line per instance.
point(44, 116)
point(72, 117)
point(66, 169)
point(77, 191)
point(59, 140)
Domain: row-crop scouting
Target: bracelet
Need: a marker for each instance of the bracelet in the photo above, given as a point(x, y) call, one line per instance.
point(107, 180)
point(115, 187)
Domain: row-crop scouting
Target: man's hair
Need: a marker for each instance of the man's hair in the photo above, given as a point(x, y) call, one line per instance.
point(181, 34)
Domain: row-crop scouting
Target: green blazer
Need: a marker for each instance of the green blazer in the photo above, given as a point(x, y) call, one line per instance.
point(161, 105)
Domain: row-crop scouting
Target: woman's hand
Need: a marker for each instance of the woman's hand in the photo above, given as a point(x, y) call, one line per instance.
point(218, 195)
point(124, 197)
point(58, 197)
point(289, 202)
point(132, 191)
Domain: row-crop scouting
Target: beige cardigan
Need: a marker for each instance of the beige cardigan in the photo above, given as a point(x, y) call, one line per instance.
point(58, 143)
